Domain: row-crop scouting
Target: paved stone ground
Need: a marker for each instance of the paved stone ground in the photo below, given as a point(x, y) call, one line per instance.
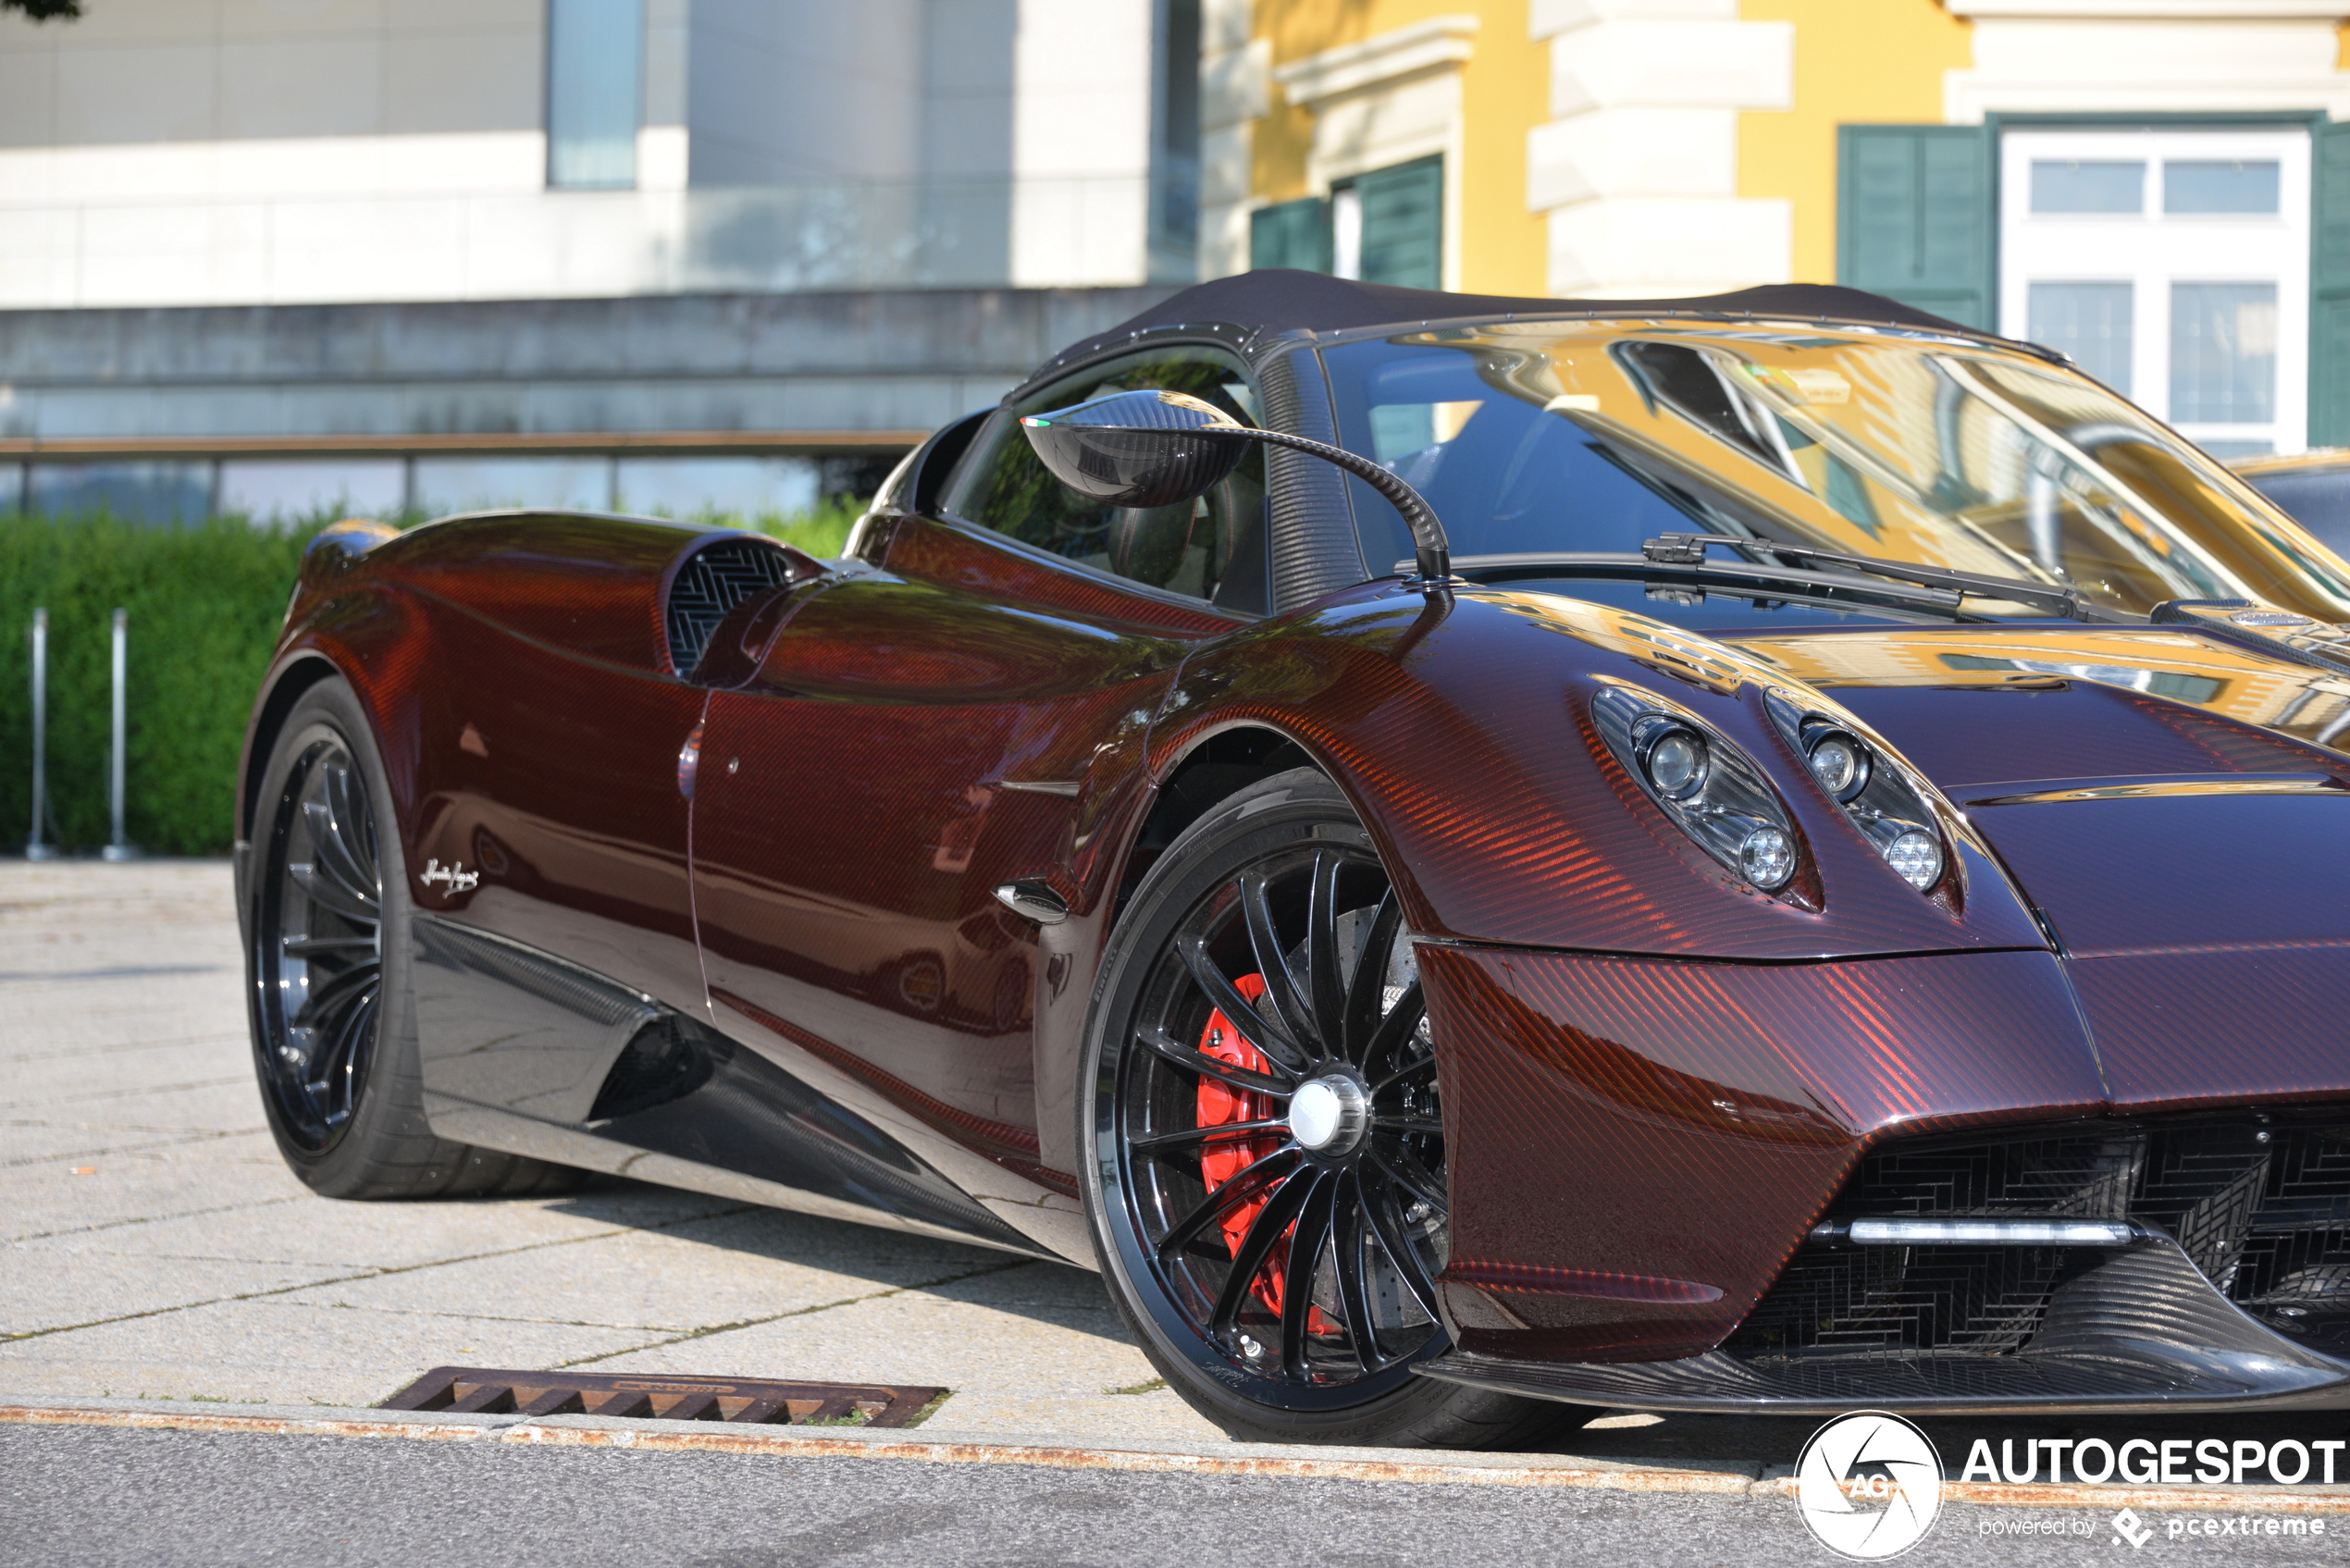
point(155, 1245)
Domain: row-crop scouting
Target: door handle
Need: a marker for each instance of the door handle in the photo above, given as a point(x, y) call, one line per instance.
point(1034, 901)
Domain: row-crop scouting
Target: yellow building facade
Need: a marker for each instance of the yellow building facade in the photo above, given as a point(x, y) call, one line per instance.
point(2146, 183)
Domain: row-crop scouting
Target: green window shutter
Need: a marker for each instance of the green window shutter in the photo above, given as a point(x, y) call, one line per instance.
point(2329, 288)
point(1404, 224)
point(1293, 234)
point(1916, 215)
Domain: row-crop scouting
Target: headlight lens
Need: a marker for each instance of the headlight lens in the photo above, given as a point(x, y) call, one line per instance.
point(1917, 857)
point(1767, 858)
point(1840, 763)
point(1713, 792)
point(1676, 763)
point(1877, 795)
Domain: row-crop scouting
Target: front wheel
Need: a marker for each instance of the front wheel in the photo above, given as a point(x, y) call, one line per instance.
point(327, 963)
point(1265, 1166)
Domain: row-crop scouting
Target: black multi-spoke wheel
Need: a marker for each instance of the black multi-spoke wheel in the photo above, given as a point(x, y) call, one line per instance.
point(1267, 1171)
point(321, 973)
point(326, 946)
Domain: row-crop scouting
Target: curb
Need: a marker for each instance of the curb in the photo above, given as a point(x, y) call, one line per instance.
point(1235, 1459)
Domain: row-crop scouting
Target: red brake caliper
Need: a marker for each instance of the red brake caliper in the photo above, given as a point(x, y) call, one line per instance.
point(1222, 1160)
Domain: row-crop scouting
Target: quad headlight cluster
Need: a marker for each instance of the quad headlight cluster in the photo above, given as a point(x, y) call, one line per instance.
point(1716, 793)
point(1721, 797)
point(1880, 801)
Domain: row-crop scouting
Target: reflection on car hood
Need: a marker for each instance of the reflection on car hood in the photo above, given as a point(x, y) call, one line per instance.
point(2177, 808)
point(2152, 790)
point(1972, 705)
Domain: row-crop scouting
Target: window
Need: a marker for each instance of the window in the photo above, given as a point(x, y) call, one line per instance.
point(1210, 549)
point(595, 92)
point(1176, 185)
point(134, 492)
point(2173, 265)
point(1383, 226)
point(284, 489)
point(1388, 225)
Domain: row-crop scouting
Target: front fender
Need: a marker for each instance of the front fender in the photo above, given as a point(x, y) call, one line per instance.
point(1457, 724)
point(1655, 1076)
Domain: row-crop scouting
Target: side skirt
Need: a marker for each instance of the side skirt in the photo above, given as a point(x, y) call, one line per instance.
point(532, 1055)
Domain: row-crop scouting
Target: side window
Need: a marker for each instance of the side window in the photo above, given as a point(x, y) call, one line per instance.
point(1195, 548)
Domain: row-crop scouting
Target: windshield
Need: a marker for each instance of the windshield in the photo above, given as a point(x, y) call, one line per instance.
point(1544, 439)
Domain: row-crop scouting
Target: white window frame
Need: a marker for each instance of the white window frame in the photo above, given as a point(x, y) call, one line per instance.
point(2152, 250)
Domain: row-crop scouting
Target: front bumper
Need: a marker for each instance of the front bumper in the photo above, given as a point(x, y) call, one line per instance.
point(1639, 1151)
point(2136, 1329)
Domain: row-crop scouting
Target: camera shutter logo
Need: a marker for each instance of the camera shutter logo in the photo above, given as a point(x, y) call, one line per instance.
point(1869, 1485)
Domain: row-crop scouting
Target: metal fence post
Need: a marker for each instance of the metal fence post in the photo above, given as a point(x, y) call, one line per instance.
point(118, 848)
point(36, 848)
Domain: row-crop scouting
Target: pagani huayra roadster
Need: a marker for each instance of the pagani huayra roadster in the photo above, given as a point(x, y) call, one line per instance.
point(1478, 857)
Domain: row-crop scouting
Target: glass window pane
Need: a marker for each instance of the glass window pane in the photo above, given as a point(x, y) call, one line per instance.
point(136, 492)
point(264, 488)
point(746, 489)
point(474, 484)
point(1346, 231)
point(11, 487)
point(2219, 187)
point(2071, 186)
point(2224, 354)
point(2088, 321)
point(1187, 548)
point(595, 92)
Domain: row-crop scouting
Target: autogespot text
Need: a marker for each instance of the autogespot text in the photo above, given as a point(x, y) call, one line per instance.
point(2145, 1462)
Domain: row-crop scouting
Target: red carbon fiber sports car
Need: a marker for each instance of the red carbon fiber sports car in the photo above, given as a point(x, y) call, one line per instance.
point(1478, 857)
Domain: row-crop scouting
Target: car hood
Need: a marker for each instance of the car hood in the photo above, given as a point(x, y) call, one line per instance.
point(2174, 806)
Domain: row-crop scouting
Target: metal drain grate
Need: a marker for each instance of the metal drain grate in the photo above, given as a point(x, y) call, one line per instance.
point(476, 1390)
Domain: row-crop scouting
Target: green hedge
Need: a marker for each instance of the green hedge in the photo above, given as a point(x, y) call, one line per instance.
point(207, 604)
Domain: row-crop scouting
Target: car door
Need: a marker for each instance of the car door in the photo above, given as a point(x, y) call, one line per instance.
point(968, 714)
point(555, 912)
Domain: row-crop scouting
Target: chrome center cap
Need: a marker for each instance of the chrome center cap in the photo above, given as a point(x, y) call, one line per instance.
point(1328, 1115)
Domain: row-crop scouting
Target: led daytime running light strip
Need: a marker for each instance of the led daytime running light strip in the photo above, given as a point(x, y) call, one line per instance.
point(1981, 1233)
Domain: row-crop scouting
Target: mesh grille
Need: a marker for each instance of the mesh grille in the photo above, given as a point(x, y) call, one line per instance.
point(1898, 1300)
point(2263, 1211)
point(714, 580)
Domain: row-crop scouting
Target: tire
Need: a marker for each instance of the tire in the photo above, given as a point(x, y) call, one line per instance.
point(327, 966)
point(1259, 1073)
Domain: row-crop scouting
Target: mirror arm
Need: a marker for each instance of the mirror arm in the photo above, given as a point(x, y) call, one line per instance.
point(1431, 551)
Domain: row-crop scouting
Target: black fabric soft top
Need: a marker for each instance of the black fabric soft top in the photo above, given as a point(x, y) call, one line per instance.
point(1279, 298)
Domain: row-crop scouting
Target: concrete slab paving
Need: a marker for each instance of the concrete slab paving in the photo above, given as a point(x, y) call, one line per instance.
point(188, 1263)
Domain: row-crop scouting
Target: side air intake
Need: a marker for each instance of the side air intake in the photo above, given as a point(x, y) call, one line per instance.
point(714, 580)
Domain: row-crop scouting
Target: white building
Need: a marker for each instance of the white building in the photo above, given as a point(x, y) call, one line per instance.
point(368, 235)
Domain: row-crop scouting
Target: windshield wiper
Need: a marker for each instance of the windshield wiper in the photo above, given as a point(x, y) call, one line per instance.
point(1741, 579)
point(1686, 550)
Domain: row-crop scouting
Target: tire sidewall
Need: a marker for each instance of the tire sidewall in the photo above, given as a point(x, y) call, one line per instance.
point(1287, 809)
point(388, 1104)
